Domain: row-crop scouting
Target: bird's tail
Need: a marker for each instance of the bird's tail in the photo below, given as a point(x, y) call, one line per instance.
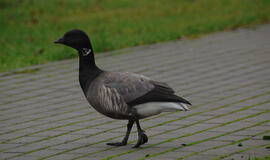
point(172, 106)
point(183, 107)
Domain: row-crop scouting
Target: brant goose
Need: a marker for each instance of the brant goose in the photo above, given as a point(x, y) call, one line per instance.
point(120, 95)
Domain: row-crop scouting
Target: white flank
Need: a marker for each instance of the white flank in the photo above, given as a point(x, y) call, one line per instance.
point(154, 108)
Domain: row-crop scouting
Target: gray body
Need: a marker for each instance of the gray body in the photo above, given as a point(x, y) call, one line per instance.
point(111, 92)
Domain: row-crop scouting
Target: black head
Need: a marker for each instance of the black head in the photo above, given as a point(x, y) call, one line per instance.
point(76, 39)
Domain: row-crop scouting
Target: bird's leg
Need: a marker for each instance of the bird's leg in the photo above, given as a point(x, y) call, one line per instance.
point(142, 138)
point(124, 141)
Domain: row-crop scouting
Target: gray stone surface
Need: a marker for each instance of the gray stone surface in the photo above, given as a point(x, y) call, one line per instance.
point(43, 114)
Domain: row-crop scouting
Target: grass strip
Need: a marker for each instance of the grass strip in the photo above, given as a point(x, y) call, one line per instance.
point(33, 26)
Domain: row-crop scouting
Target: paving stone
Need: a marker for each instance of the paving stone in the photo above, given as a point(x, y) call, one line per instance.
point(201, 147)
point(220, 74)
point(5, 155)
point(240, 157)
point(246, 133)
point(63, 156)
point(231, 138)
point(232, 126)
point(255, 142)
point(259, 128)
point(258, 152)
point(43, 153)
point(26, 139)
point(25, 157)
point(68, 146)
point(202, 157)
point(259, 118)
point(225, 150)
point(8, 145)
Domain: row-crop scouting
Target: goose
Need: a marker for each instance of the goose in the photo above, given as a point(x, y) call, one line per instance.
point(121, 95)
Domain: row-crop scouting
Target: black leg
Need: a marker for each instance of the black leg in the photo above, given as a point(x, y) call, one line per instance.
point(124, 141)
point(142, 138)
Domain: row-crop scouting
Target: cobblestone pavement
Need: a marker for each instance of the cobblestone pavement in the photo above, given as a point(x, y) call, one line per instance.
point(226, 76)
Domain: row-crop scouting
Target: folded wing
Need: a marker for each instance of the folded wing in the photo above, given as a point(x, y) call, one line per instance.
point(136, 89)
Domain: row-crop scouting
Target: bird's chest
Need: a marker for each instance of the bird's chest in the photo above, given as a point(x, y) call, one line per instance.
point(105, 102)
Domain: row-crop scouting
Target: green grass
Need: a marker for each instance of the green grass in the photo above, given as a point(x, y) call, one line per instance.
point(29, 27)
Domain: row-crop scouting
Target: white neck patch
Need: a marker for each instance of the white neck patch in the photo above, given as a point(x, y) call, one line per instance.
point(86, 51)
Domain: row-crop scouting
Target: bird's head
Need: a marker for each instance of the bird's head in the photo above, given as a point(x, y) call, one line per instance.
point(78, 40)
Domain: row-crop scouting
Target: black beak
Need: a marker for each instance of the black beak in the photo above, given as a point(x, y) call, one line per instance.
point(60, 40)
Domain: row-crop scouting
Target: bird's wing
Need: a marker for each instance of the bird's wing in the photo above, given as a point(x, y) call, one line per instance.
point(129, 85)
point(137, 89)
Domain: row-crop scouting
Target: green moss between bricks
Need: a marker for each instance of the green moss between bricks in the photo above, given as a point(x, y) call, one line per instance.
point(240, 151)
point(214, 87)
point(164, 132)
point(52, 128)
point(211, 138)
point(223, 106)
point(171, 139)
point(43, 112)
point(172, 113)
point(225, 97)
point(73, 110)
point(44, 139)
point(252, 97)
point(102, 141)
point(15, 130)
point(121, 135)
point(220, 74)
point(220, 146)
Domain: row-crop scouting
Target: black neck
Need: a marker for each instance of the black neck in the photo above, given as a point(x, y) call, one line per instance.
point(88, 70)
